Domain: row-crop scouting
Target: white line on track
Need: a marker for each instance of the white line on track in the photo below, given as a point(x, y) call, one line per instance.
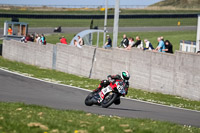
point(74, 87)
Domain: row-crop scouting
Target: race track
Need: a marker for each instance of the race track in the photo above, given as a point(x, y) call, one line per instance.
point(16, 88)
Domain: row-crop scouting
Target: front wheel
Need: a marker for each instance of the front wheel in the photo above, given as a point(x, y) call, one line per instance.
point(109, 99)
point(88, 100)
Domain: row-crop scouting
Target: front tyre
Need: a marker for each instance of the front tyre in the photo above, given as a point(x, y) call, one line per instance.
point(88, 100)
point(109, 99)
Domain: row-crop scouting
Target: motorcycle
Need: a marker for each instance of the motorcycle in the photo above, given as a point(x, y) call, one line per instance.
point(107, 96)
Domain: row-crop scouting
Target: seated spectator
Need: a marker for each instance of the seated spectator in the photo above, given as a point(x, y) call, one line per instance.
point(124, 42)
point(76, 44)
point(108, 44)
point(43, 40)
point(80, 41)
point(63, 40)
point(131, 43)
point(168, 47)
point(32, 37)
point(38, 39)
point(148, 44)
point(23, 39)
point(162, 38)
point(28, 38)
point(160, 46)
point(138, 42)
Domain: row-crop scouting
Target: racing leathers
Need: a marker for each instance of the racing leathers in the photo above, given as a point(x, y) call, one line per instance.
point(112, 79)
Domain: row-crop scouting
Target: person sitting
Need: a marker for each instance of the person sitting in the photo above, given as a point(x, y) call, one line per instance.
point(38, 39)
point(28, 38)
point(63, 40)
point(131, 43)
point(124, 42)
point(108, 44)
point(138, 42)
point(148, 44)
point(160, 46)
point(168, 47)
point(80, 41)
point(76, 44)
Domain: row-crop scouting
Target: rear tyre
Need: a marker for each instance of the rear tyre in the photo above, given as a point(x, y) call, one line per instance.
point(109, 99)
point(88, 100)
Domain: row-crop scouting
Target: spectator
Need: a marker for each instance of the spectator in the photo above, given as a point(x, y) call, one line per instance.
point(148, 44)
point(138, 42)
point(38, 39)
point(168, 47)
point(80, 41)
point(124, 42)
point(162, 38)
point(43, 40)
point(131, 43)
point(23, 39)
point(198, 52)
point(10, 31)
point(63, 40)
point(28, 38)
point(32, 36)
point(76, 44)
point(160, 46)
point(108, 44)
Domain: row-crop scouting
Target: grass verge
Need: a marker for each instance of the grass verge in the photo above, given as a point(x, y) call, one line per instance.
point(64, 78)
point(21, 118)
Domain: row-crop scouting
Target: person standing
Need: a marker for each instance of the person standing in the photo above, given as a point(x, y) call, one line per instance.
point(43, 39)
point(10, 30)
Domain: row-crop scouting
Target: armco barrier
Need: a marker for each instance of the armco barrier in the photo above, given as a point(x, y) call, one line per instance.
point(176, 74)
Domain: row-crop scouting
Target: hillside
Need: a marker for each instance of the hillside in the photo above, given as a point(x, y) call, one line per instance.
point(178, 3)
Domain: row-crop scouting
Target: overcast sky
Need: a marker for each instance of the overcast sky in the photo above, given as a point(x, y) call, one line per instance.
point(77, 2)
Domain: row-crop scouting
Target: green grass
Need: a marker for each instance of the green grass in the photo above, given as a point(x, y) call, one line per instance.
point(83, 82)
point(100, 22)
point(174, 37)
point(21, 118)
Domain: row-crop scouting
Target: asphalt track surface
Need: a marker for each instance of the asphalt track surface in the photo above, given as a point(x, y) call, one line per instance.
point(76, 30)
point(17, 88)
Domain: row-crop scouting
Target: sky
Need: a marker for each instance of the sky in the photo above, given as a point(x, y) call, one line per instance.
point(77, 2)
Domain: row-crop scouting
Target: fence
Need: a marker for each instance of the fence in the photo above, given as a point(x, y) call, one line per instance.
point(177, 74)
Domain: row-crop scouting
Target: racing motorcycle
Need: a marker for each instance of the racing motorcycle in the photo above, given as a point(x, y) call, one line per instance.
point(106, 96)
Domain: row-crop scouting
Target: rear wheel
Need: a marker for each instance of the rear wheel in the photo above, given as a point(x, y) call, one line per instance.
point(88, 100)
point(109, 99)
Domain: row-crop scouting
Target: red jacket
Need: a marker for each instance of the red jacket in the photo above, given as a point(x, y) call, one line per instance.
point(63, 40)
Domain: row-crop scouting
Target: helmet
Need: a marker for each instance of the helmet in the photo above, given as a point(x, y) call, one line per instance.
point(125, 75)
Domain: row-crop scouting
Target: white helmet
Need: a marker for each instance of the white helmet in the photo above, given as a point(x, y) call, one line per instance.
point(125, 75)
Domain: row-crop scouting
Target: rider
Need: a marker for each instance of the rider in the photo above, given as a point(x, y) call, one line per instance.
point(112, 79)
